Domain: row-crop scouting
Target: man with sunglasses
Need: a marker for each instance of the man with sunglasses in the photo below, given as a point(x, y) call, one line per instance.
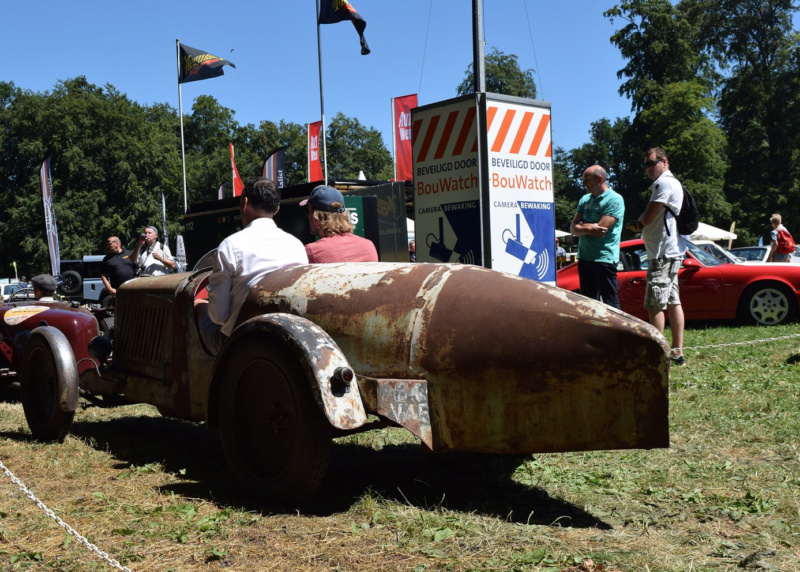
point(664, 249)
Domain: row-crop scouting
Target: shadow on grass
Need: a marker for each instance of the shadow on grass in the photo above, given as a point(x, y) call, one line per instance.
point(405, 474)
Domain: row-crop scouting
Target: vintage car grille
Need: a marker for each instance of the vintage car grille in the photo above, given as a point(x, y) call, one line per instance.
point(144, 338)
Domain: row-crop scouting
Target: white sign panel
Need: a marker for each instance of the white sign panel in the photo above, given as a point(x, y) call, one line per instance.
point(520, 167)
point(446, 186)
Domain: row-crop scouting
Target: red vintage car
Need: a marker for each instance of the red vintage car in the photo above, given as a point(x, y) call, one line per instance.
point(766, 294)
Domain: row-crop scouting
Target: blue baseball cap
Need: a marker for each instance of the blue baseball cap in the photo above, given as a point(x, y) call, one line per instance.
point(322, 197)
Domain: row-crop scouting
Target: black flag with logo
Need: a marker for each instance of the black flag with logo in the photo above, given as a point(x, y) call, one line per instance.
point(197, 64)
point(334, 11)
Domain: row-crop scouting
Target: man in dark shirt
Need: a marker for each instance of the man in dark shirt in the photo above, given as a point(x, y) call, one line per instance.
point(117, 266)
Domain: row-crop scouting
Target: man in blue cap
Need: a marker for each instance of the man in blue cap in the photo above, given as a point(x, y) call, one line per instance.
point(329, 220)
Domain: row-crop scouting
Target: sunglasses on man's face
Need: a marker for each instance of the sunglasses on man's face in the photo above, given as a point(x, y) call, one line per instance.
point(651, 163)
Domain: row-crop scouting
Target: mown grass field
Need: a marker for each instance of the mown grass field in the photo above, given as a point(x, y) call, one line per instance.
point(154, 493)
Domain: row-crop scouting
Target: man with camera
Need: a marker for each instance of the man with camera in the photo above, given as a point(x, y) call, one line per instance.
point(150, 256)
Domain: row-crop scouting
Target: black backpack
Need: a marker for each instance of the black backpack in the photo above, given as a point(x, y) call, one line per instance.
point(688, 219)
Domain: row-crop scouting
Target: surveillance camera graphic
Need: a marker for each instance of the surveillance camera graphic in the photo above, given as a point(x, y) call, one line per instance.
point(438, 250)
point(534, 265)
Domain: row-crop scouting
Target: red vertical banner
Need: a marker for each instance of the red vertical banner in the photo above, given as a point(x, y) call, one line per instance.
point(401, 120)
point(238, 185)
point(314, 160)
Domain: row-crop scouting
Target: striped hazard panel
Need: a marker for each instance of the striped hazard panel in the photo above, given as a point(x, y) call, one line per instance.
point(517, 132)
point(453, 133)
point(450, 134)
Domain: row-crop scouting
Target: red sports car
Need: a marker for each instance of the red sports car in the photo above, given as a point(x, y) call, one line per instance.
point(767, 294)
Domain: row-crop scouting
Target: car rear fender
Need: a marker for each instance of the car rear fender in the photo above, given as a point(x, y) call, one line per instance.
point(318, 355)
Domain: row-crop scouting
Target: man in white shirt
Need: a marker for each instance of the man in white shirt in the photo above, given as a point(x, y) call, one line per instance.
point(151, 257)
point(245, 257)
point(664, 249)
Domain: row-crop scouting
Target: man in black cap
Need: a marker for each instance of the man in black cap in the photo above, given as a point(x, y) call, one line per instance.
point(329, 220)
point(44, 285)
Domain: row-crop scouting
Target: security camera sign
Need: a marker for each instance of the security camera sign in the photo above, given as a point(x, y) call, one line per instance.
point(520, 169)
point(485, 197)
point(446, 186)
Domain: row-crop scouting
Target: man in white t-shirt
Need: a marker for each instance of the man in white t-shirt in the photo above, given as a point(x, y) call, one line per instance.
point(664, 249)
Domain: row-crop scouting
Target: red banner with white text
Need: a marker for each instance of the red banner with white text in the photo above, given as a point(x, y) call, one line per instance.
point(314, 161)
point(403, 155)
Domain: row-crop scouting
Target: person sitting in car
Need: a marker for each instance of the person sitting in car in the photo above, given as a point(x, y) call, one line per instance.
point(44, 286)
point(244, 258)
point(328, 219)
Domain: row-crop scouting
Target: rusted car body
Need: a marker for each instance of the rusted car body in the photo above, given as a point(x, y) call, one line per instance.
point(465, 358)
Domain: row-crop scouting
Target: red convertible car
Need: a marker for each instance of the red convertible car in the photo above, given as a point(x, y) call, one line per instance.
point(766, 294)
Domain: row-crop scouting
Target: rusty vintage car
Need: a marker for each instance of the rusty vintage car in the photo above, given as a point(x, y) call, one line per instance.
point(465, 358)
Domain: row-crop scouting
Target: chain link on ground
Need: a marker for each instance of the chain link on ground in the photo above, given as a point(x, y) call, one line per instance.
point(61, 523)
point(747, 343)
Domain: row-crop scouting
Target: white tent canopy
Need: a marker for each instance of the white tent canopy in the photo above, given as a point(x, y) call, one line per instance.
point(707, 232)
point(561, 233)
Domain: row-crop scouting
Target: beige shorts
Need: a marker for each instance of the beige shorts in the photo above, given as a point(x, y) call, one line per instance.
point(662, 283)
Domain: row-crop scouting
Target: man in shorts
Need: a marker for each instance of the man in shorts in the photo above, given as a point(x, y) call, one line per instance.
point(664, 249)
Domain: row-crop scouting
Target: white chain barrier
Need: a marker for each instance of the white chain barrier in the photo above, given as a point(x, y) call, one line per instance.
point(747, 343)
point(63, 524)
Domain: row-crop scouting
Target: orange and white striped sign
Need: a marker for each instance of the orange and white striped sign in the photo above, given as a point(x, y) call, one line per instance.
point(516, 131)
point(449, 134)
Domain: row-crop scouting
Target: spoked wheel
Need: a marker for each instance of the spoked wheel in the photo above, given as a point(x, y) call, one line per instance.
point(276, 438)
point(48, 384)
point(769, 305)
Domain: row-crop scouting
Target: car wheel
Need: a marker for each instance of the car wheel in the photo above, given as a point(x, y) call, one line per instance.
point(768, 305)
point(71, 283)
point(49, 386)
point(106, 300)
point(276, 438)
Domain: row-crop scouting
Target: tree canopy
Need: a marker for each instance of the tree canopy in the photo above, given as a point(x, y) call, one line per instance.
point(503, 75)
point(111, 159)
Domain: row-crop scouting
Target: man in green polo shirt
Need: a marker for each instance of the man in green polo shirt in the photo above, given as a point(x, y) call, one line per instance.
point(598, 223)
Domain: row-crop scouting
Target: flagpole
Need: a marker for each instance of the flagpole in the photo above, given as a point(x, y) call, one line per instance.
point(164, 219)
point(394, 138)
point(180, 112)
point(233, 175)
point(322, 100)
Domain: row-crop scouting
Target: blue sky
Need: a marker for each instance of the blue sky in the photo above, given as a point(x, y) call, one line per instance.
point(131, 45)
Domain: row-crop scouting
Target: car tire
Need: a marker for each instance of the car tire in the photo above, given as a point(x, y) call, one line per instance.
point(276, 438)
point(768, 305)
point(106, 300)
point(71, 283)
point(49, 385)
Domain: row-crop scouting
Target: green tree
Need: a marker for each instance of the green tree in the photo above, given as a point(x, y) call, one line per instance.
point(111, 158)
point(670, 82)
point(503, 75)
point(753, 41)
point(353, 147)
